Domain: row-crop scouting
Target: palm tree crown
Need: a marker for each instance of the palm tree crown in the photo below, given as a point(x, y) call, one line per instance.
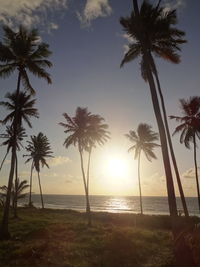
point(77, 126)
point(23, 103)
point(154, 28)
point(97, 131)
point(22, 51)
point(143, 140)
point(190, 120)
point(8, 135)
point(39, 149)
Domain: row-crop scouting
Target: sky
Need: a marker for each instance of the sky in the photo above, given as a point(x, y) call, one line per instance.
point(88, 44)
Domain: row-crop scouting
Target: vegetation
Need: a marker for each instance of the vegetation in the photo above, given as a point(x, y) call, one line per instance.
point(39, 149)
point(8, 135)
point(20, 51)
point(62, 238)
point(190, 129)
point(151, 31)
point(143, 141)
point(17, 193)
point(86, 130)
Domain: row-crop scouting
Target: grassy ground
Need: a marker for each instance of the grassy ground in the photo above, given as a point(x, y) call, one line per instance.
point(62, 238)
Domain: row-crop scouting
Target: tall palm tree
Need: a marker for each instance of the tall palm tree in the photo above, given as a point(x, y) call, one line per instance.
point(25, 108)
point(97, 134)
point(166, 41)
point(39, 149)
point(143, 141)
point(189, 128)
point(23, 52)
point(77, 127)
point(140, 28)
point(8, 135)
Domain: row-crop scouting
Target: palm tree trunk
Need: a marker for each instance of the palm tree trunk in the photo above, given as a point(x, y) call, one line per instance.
point(85, 187)
point(30, 193)
point(40, 190)
point(164, 147)
point(88, 169)
point(196, 170)
point(170, 143)
point(4, 232)
point(4, 160)
point(15, 188)
point(141, 208)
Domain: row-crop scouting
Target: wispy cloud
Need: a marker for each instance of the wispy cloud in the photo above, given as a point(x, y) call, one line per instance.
point(174, 4)
point(59, 161)
point(128, 39)
point(94, 9)
point(29, 13)
point(190, 173)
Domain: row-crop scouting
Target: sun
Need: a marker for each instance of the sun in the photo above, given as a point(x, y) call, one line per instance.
point(116, 166)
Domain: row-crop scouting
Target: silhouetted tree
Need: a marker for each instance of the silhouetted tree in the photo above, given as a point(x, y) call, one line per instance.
point(97, 134)
point(139, 28)
point(17, 193)
point(25, 109)
point(189, 128)
point(21, 51)
point(143, 141)
point(77, 130)
point(8, 135)
point(39, 149)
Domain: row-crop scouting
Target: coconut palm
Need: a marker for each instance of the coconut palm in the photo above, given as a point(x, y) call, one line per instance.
point(189, 128)
point(139, 26)
point(143, 141)
point(25, 109)
point(39, 149)
point(23, 52)
point(77, 128)
point(17, 193)
point(8, 135)
point(97, 134)
point(166, 41)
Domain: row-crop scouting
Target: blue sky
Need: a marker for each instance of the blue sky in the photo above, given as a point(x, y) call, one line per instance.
point(88, 44)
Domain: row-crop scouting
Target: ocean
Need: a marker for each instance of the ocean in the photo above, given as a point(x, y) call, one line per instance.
point(117, 204)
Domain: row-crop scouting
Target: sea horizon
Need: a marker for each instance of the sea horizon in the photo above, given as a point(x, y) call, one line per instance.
point(113, 204)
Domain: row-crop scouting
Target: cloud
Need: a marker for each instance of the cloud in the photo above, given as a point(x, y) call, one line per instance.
point(177, 4)
point(190, 173)
point(59, 161)
point(128, 39)
point(29, 13)
point(94, 9)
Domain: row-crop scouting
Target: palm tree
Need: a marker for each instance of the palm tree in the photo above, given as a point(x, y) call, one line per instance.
point(143, 141)
point(8, 135)
point(25, 109)
point(140, 28)
point(190, 128)
point(97, 134)
point(21, 51)
point(166, 41)
point(77, 128)
point(17, 193)
point(39, 149)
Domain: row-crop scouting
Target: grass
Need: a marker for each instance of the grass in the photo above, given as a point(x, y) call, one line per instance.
point(62, 238)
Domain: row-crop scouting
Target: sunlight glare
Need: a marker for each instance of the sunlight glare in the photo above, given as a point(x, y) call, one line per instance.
point(117, 166)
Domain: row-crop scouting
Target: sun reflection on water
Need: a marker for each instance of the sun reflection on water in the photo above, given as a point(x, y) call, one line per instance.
point(118, 204)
